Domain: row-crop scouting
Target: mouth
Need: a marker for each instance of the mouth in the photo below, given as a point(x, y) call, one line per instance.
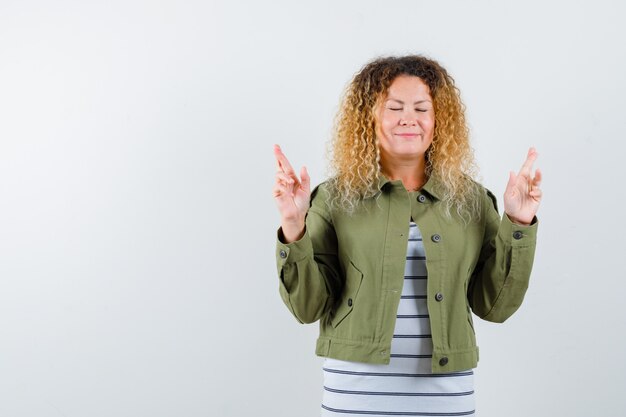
point(408, 135)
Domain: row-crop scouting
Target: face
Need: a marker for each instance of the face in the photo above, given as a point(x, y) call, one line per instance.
point(405, 120)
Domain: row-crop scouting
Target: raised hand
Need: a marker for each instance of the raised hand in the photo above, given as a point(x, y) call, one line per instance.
point(292, 196)
point(522, 194)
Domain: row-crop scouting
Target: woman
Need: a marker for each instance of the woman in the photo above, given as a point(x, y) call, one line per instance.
point(400, 245)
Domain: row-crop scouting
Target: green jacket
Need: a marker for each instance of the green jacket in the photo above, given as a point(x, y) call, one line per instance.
point(348, 271)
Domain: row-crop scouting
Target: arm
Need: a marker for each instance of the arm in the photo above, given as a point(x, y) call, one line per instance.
point(308, 268)
point(500, 279)
point(306, 246)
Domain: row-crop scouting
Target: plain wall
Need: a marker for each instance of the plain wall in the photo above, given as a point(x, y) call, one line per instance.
point(137, 224)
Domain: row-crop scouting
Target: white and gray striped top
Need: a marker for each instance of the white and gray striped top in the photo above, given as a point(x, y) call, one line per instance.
point(407, 386)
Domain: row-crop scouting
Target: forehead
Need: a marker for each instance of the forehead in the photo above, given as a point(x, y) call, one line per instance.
point(405, 87)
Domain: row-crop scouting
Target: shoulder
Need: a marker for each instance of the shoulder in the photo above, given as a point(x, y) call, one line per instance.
point(487, 198)
point(320, 199)
point(492, 198)
point(321, 191)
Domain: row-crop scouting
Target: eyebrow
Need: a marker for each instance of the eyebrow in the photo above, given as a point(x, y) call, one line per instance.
point(402, 102)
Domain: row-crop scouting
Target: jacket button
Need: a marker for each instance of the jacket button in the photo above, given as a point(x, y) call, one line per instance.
point(443, 361)
point(349, 302)
point(283, 254)
point(517, 235)
point(435, 238)
point(439, 296)
point(421, 198)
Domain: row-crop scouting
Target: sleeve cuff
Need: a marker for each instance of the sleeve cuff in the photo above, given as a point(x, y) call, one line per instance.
point(294, 251)
point(518, 235)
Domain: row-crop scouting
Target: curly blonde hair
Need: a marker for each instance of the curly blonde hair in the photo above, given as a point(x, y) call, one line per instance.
point(354, 148)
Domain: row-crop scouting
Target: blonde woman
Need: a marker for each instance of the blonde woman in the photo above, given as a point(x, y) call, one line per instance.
point(395, 251)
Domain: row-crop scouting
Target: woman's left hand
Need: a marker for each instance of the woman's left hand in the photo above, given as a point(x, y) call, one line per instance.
point(522, 194)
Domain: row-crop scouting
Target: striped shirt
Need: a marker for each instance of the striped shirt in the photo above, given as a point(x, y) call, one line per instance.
point(406, 386)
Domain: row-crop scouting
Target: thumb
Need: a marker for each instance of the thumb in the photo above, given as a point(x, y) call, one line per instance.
point(511, 183)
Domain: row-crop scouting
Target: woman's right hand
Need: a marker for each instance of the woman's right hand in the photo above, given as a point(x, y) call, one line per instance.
point(292, 196)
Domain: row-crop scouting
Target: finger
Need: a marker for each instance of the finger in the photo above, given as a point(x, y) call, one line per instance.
point(284, 178)
point(276, 191)
point(283, 161)
point(537, 179)
point(277, 154)
point(282, 189)
point(279, 190)
point(536, 194)
point(528, 163)
point(305, 179)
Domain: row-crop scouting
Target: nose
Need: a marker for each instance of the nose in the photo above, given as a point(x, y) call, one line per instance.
point(408, 122)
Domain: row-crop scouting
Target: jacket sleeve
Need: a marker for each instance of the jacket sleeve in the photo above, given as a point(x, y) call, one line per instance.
point(500, 278)
point(308, 269)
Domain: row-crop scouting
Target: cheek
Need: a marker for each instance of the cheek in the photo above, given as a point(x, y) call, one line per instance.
point(428, 124)
point(388, 123)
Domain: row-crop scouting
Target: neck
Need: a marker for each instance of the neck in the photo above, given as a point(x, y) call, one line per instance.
point(412, 174)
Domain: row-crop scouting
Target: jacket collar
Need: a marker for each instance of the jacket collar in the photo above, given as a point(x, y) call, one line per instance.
point(432, 186)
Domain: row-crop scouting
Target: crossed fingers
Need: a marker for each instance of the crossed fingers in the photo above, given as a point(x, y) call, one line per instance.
point(526, 173)
point(285, 174)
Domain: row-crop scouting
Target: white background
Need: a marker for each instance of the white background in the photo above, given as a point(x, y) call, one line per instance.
point(137, 227)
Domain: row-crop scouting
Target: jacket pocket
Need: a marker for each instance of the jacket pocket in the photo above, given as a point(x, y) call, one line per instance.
point(354, 277)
